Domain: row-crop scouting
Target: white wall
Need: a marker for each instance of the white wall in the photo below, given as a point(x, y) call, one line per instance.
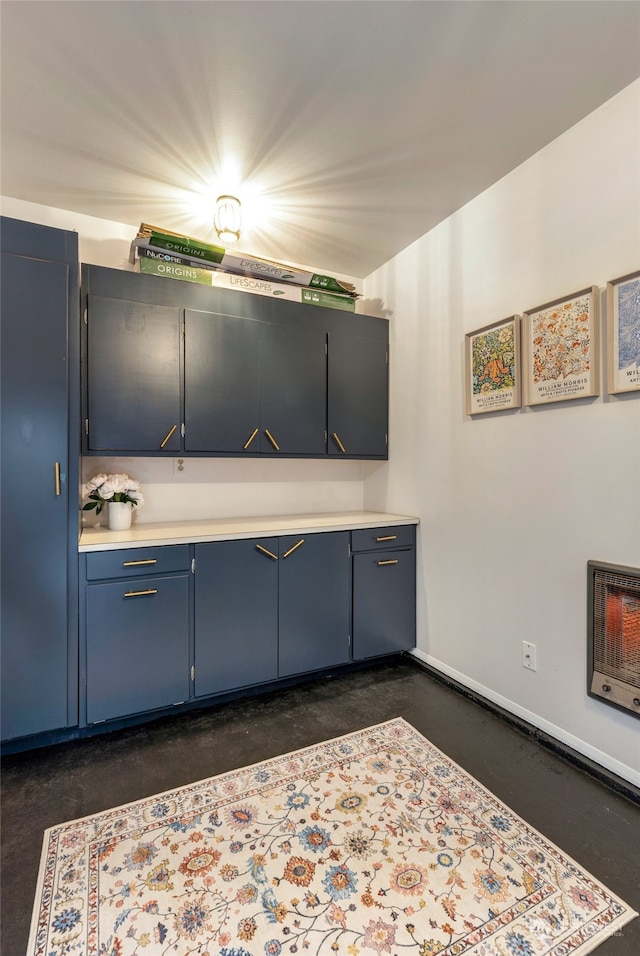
point(513, 504)
point(207, 487)
point(230, 487)
point(100, 241)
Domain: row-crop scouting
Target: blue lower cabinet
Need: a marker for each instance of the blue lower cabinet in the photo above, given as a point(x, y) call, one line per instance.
point(137, 654)
point(236, 615)
point(384, 602)
point(269, 608)
point(314, 591)
point(162, 628)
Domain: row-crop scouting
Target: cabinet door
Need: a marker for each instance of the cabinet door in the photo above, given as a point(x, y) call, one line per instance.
point(384, 602)
point(236, 614)
point(357, 395)
point(137, 646)
point(133, 376)
point(221, 383)
point(293, 379)
point(315, 602)
point(35, 511)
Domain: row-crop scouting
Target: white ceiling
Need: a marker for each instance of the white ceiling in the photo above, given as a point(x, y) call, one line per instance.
point(356, 126)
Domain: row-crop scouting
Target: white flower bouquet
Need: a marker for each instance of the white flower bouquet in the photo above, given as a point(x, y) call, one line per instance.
point(105, 488)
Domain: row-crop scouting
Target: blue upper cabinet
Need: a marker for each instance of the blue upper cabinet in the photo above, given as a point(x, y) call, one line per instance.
point(39, 320)
point(173, 367)
point(253, 386)
point(358, 393)
point(221, 383)
point(293, 390)
point(134, 376)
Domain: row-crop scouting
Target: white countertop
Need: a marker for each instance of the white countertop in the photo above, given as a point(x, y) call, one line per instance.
point(229, 529)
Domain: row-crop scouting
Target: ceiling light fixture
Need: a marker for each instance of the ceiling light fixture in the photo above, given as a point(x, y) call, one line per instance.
point(227, 219)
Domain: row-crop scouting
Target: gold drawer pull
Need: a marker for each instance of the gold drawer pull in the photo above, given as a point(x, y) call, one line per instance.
point(268, 553)
point(339, 443)
point(162, 444)
point(136, 564)
point(250, 438)
point(272, 439)
point(380, 563)
point(56, 473)
point(140, 593)
point(294, 548)
point(387, 537)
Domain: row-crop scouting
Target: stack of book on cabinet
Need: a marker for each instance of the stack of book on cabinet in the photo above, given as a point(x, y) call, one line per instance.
point(157, 251)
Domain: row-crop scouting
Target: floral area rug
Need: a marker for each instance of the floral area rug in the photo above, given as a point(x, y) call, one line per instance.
point(375, 842)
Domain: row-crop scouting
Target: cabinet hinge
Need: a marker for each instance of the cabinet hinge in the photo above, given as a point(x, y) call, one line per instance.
point(86, 426)
point(193, 565)
point(193, 672)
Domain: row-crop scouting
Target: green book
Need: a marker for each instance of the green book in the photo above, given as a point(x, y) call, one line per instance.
point(240, 263)
point(156, 267)
point(328, 300)
point(189, 247)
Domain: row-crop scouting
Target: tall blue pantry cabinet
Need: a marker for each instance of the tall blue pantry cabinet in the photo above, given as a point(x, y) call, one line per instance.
point(39, 473)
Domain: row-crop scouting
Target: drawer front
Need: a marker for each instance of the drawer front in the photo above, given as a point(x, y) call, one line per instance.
point(378, 539)
point(137, 561)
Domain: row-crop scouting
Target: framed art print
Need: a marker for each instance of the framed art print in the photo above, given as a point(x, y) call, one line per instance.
point(561, 349)
point(623, 334)
point(492, 367)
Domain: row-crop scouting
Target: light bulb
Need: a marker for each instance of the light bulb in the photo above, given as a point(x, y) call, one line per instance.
point(227, 220)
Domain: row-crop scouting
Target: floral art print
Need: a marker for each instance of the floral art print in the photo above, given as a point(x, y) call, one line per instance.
point(562, 350)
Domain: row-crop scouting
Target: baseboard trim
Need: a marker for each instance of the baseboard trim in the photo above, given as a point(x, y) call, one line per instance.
point(613, 780)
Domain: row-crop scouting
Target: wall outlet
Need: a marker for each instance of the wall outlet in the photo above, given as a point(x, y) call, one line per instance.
point(529, 656)
point(178, 467)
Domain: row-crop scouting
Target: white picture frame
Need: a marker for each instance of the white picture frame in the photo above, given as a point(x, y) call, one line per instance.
point(492, 367)
point(561, 349)
point(623, 334)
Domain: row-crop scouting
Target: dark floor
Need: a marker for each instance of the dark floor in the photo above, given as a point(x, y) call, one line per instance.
point(597, 826)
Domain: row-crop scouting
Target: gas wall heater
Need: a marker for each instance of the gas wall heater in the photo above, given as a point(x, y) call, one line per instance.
point(613, 646)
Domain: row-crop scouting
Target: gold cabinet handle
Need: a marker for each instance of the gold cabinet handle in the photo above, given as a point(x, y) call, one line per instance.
point(272, 439)
point(268, 553)
point(387, 537)
point(380, 563)
point(140, 593)
point(56, 473)
point(294, 548)
point(136, 564)
point(162, 444)
point(250, 438)
point(334, 435)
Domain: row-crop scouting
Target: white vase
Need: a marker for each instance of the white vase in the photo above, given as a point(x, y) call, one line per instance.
point(119, 515)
